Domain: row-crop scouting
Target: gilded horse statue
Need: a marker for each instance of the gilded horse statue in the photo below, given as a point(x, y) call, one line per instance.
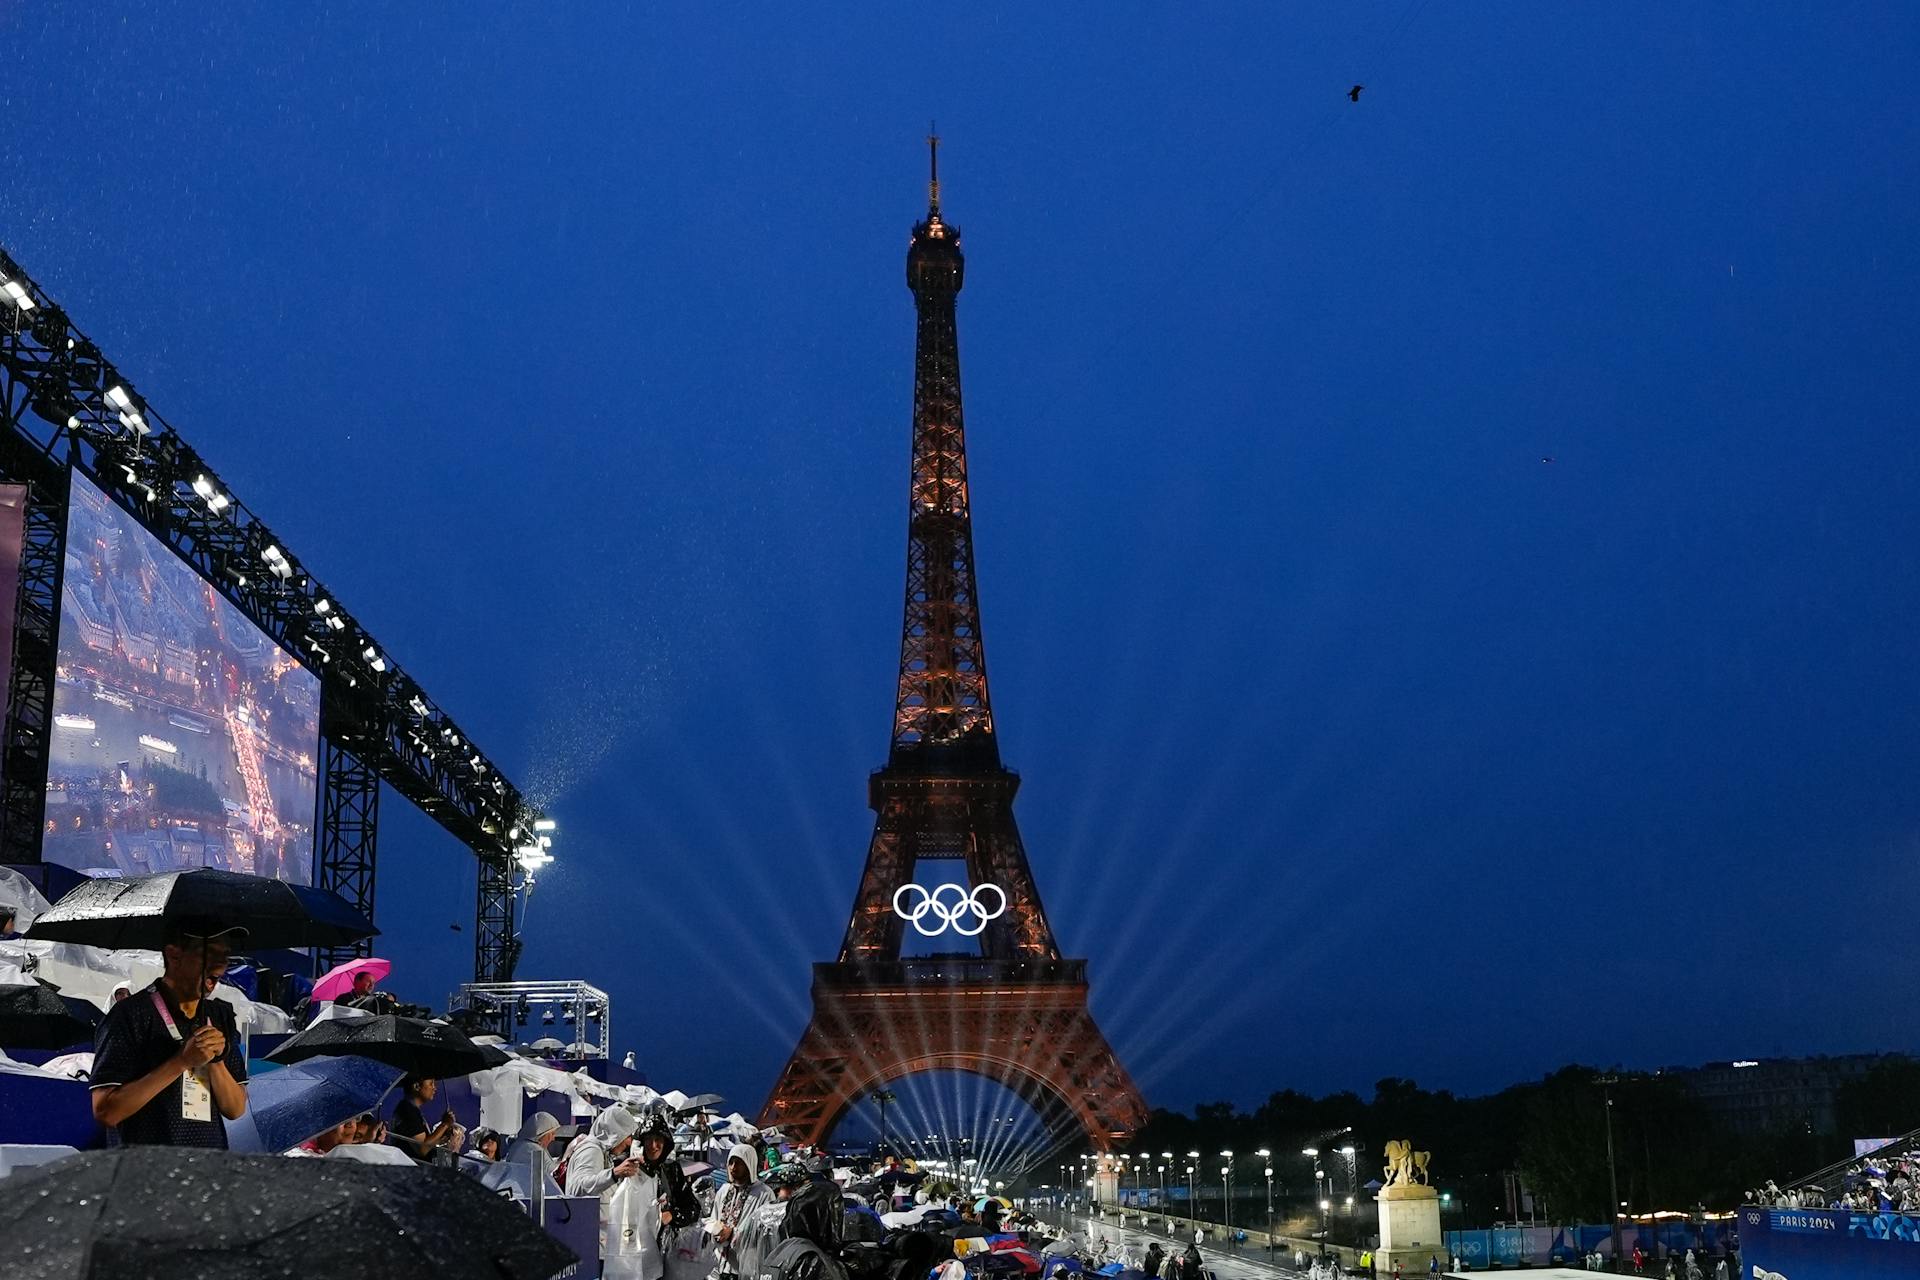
point(1405, 1166)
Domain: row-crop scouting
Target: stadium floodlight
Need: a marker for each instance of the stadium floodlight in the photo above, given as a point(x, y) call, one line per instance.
point(130, 417)
point(277, 561)
point(322, 606)
point(210, 493)
point(544, 824)
point(17, 294)
point(1312, 1153)
point(1347, 1152)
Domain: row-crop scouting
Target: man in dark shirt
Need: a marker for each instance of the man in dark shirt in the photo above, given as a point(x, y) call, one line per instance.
point(410, 1132)
point(167, 1062)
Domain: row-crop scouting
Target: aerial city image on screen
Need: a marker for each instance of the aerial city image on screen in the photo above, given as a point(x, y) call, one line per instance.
point(183, 737)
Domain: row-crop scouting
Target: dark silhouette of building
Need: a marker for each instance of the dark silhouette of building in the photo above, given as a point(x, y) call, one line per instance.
point(1778, 1095)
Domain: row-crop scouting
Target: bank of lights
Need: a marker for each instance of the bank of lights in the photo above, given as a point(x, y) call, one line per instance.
point(17, 294)
point(534, 854)
point(121, 400)
point(216, 501)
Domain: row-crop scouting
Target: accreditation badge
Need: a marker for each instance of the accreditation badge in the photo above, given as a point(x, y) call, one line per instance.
point(196, 1096)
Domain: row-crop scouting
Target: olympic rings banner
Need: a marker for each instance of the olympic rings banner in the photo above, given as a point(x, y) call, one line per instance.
point(966, 914)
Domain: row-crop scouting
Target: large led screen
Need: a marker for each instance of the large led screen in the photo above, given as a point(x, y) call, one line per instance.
point(182, 736)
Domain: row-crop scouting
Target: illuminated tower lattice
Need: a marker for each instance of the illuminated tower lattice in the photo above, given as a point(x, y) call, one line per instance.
point(1010, 1008)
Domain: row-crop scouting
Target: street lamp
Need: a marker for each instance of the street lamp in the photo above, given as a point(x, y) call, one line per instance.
point(1320, 1186)
point(881, 1098)
point(1226, 1195)
point(1606, 1084)
point(1269, 1208)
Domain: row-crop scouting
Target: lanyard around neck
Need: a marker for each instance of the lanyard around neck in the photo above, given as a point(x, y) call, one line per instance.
point(166, 1014)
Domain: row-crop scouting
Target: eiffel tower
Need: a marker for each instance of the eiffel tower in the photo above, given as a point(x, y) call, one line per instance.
point(1013, 1010)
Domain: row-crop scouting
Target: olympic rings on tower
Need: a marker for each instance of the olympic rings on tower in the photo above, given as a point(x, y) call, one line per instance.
point(965, 905)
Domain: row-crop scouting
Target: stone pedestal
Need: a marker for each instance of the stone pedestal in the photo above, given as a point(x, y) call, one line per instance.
point(1409, 1230)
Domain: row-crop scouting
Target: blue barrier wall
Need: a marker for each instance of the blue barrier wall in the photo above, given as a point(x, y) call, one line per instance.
point(1825, 1244)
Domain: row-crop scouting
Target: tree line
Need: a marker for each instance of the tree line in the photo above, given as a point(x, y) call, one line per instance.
point(1669, 1151)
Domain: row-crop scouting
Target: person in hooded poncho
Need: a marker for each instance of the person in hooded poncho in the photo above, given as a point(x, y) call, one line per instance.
point(599, 1159)
point(742, 1239)
point(644, 1214)
point(600, 1156)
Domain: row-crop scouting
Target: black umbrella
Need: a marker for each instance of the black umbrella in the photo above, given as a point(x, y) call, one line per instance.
point(172, 1213)
point(35, 1016)
point(139, 912)
point(430, 1049)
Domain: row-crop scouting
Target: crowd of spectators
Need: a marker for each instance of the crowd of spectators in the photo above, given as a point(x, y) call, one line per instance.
point(1883, 1181)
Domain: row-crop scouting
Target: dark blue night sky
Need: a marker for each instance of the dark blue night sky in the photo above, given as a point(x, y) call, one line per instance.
point(573, 351)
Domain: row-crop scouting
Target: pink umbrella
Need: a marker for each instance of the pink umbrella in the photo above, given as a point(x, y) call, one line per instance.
point(338, 981)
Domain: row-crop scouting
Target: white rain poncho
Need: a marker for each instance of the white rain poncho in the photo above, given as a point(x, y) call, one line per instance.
point(736, 1207)
point(590, 1159)
point(630, 1230)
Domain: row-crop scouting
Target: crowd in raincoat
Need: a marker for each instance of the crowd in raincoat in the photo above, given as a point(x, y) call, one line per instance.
point(684, 1193)
point(680, 1204)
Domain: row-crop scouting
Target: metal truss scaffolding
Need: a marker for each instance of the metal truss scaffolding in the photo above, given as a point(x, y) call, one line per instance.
point(23, 772)
point(65, 402)
point(344, 838)
point(575, 1010)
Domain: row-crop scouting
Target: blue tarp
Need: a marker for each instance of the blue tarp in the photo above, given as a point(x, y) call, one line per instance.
point(43, 1111)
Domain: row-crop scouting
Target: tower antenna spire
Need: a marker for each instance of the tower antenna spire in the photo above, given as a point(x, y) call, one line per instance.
point(933, 167)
